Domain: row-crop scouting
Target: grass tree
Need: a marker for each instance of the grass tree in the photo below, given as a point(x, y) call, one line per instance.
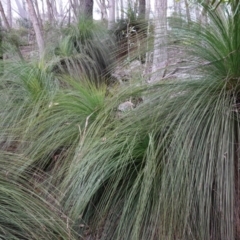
point(28, 211)
point(167, 168)
point(85, 50)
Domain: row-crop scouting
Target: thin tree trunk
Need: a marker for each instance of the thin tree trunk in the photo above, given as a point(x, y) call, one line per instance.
point(135, 6)
point(74, 8)
point(6, 23)
point(117, 9)
point(142, 9)
point(24, 5)
point(54, 9)
point(111, 17)
point(175, 6)
point(86, 8)
point(61, 13)
point(187, 11)
point(1, 50)
point(49, 12)
point(38, 14)
point(148, 9)
point(179, 8)
point(77, 7)
point(39, 36)
point(160, 41)
point(43, 11)
point(197, 13)
point(122, 9)
point(9, 12)
point(69, 17)
point(65, 14)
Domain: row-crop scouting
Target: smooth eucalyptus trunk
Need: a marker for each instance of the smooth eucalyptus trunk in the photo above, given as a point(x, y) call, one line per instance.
point(38, 14)
point(197, 12)
point(36, 26)
point(43, 10)
point(160, 55)
point(111, 17)
point(9, 12)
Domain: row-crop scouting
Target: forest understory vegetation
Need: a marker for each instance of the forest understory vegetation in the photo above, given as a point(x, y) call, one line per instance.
point(92, 148)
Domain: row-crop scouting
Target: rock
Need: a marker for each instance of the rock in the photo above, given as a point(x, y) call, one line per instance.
point(127, 72)
point(126, 106)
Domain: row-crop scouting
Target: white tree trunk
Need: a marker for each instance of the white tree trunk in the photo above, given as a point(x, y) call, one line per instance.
point(38, 14)
point(5, 21)
point(197, 12)
point(9, 12)
point(36, 26)
point(187, 11)
point(117, 10)
point(43, 11)
point(111, 17)
point(160, 55)
point(61, 12)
